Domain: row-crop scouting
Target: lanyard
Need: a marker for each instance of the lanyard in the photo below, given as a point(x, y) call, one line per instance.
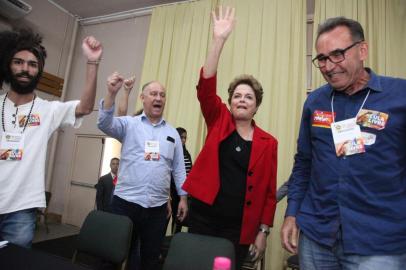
point(362, 105)
point(28, 116)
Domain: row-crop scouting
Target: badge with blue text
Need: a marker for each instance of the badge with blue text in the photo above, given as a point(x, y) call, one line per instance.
point(11, 146)
point(151, 150)
point(372, 119)
point(347, 137)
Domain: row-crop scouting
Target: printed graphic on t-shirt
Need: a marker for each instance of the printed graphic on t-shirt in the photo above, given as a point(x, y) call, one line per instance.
point(322, 119)
point(33, 121)
point(372, 119)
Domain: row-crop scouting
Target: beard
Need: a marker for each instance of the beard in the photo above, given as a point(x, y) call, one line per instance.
point(23, 88)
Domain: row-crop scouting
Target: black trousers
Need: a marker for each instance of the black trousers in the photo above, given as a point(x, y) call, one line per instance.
point(201, 222)
point(148, 233)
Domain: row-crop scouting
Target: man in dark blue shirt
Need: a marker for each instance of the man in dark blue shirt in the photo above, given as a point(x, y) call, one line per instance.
point(348, 189)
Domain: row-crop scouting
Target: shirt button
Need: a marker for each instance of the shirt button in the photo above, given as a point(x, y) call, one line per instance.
point(250, 188)
point(248, 203)
point(250, 173)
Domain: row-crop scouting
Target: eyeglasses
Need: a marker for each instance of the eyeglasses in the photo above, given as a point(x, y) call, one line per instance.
point(335, 56)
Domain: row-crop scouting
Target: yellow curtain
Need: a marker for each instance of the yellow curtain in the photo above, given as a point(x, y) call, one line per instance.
point(384, 27)
point(268, 42)
point(176, 47)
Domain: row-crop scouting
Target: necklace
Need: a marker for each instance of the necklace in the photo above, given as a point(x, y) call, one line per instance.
point(240, 143)
point(28, 116)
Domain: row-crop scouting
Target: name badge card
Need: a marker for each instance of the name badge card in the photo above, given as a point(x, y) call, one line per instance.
point(347, 137)
point(151, 150)
point(11, 146)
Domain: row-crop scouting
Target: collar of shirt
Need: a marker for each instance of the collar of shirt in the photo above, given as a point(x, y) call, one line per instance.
point(145, 119)
point(374, 83)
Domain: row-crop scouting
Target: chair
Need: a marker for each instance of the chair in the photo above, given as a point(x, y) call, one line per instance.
point(292, 263)
point(44, 212)
point(106, 236)
point(194, 251)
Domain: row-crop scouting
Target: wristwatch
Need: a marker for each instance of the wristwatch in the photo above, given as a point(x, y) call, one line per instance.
point(266, 231)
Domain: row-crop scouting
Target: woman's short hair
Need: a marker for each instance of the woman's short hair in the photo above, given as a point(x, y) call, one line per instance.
point(249, 80)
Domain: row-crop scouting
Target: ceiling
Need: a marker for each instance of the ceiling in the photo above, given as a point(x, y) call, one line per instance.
point(94, 8)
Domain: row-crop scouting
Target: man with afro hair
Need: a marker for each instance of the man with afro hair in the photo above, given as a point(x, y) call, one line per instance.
point(27, 122)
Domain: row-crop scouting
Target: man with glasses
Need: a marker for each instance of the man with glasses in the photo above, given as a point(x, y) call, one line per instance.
point(348, 189)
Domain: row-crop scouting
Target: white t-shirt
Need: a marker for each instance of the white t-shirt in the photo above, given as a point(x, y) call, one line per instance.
point(22, 182)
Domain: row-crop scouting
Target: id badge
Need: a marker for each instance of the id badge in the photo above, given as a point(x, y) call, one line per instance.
point(151, 151)
point(11, 146)
point(347, 137)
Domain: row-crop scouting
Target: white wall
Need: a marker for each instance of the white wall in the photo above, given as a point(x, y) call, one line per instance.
point(123, 50)
point(56, 28)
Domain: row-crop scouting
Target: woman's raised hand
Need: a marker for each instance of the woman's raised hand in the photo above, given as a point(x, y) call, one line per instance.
point(223, 22)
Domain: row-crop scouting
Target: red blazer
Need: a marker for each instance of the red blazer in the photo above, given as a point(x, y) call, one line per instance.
point(203, 182)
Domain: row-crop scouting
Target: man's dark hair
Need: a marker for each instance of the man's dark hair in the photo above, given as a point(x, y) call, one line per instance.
point(357, 33)
point(181, 130)
point(14, 41)
point(114, 158)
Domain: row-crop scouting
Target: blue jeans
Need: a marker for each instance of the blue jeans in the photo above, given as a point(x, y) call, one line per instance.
point(313, 256)
point(148, 233)
point(18, 227)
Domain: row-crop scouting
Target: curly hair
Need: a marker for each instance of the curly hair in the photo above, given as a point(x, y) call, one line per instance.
point(14, 41)
point(249, 80)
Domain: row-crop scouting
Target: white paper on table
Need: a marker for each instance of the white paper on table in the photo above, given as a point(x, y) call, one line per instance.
point(3, 244)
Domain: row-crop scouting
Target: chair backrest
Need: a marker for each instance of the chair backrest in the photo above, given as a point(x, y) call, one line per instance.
point(106, 235)
point(193, 251)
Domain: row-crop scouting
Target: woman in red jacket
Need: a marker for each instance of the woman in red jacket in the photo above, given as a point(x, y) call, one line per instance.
point(233, 181)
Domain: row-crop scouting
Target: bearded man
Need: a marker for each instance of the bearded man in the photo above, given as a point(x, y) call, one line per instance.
point(27, 122)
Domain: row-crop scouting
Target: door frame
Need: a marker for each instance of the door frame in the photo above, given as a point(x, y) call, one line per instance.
point(71, 171)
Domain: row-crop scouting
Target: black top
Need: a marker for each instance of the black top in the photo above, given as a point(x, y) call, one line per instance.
point(234, 156)
point(188, 160)
point(188, 167)
point(104, 192)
